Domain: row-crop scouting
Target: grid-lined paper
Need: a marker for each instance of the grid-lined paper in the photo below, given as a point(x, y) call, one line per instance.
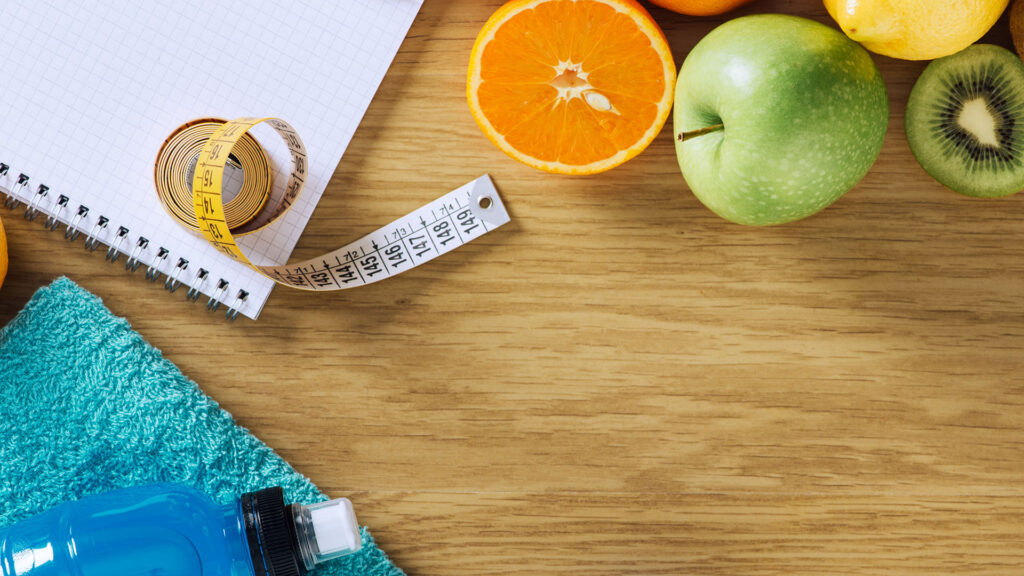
point(91, 90)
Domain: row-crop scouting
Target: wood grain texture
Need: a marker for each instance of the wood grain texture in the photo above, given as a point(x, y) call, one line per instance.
point(619, 382)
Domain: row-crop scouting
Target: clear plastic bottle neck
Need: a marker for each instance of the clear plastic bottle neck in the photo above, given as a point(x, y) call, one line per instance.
point(326, 530)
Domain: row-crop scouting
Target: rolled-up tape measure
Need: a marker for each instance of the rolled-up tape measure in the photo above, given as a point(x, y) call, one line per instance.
point(439, 227)
point(176, 163)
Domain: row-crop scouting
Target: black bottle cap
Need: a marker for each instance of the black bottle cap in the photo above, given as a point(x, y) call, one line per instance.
point(270, 531)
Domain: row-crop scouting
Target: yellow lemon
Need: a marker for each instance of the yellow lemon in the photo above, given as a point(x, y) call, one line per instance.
point(916, 29)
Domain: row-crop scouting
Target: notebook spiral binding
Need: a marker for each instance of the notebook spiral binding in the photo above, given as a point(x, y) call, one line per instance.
point(34, 206)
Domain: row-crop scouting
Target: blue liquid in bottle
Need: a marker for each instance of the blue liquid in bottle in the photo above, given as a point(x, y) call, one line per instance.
point(173, 530)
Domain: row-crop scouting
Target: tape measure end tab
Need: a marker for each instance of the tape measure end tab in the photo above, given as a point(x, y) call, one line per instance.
point(486, 203)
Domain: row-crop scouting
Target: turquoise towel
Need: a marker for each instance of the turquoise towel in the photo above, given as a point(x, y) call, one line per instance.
point(87, 406)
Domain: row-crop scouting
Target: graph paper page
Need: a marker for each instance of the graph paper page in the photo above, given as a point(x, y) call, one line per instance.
point(93, 89)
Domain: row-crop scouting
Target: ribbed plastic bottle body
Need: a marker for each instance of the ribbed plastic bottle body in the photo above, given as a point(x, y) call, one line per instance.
point(162, 529)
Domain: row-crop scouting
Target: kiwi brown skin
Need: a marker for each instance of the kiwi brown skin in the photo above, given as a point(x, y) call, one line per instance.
point(1017, 26)
point(951, 144)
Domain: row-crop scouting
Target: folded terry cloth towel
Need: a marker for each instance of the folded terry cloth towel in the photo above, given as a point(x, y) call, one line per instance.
point(87, 406)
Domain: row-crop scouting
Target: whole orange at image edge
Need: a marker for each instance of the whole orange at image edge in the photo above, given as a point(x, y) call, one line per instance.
point(571, 87)
point(701, 7)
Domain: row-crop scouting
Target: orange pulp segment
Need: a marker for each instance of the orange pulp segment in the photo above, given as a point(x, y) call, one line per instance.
point(571, 86)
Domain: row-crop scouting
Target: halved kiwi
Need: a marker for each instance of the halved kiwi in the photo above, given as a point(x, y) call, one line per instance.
point(965, 121)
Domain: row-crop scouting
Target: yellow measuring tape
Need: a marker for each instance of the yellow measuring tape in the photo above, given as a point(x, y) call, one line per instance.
point(178, 158)
point(208, 145)
point(208, 180)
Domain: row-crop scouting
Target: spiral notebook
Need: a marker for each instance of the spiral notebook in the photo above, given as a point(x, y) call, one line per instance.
point(93, 88)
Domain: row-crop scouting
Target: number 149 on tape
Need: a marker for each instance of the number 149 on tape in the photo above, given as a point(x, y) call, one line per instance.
point(439, 227)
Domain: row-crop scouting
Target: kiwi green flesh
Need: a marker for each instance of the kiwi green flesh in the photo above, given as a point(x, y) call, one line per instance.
point(965, 121)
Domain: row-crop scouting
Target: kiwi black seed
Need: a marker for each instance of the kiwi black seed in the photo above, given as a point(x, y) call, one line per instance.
point(965, 121)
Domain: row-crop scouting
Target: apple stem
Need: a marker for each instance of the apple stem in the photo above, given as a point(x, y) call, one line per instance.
point(684, 136)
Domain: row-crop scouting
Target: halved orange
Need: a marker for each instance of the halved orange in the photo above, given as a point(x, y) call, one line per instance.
point(571, 86)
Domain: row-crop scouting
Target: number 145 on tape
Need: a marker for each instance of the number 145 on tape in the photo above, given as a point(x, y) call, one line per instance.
point(439, 227)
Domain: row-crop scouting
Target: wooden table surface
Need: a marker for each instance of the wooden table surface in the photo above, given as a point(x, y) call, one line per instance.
point(618, 381)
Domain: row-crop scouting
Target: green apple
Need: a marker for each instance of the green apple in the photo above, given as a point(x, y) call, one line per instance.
point(776, 117)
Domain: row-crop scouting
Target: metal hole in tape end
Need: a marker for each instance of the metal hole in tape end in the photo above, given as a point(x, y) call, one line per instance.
point(92, 242)
point(197, 287)
point(112, 252)
point(463, 216)
point(486, 204)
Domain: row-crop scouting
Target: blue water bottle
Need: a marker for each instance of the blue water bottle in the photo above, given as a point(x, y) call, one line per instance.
point(174, 530)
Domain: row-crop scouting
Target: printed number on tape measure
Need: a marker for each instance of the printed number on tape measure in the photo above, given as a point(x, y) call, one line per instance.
point(439, 227)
